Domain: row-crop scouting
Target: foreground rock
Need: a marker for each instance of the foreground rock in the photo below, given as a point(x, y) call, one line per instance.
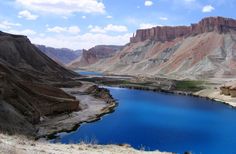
point(29, 86)
point(22, 145)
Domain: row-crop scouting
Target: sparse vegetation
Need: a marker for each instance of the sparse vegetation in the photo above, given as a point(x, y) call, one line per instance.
point(189, 85)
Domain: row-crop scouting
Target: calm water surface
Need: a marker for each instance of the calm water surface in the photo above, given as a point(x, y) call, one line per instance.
point(83, 72)
point(162, 121)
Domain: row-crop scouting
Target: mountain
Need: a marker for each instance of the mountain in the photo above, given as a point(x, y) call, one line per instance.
point(30, 85)
point(60, 55)
point(203, 50)
point(93, 55)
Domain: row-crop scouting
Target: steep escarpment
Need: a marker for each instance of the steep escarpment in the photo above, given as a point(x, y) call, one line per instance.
point(93, 55)
point(63, 55)
point(203, 50)
point(27, 86)
point(167, 33)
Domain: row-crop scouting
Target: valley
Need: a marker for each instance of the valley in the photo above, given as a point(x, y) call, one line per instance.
point(170, 88)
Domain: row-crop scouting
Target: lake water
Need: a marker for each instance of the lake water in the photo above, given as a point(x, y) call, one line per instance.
point(162, 121)
point(83, 72)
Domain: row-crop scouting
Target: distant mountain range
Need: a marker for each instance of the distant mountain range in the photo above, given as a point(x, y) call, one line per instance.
point(60, 55)
point(203, 50)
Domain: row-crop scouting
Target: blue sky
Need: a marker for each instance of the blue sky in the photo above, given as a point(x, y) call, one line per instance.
point(78, 24)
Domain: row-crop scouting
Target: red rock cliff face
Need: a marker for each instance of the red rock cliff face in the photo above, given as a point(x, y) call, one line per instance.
point(166, 33)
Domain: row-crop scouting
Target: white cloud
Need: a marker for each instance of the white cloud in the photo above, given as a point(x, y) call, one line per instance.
point(163, 18)
point(109, 17)
point(58, 29)
point(148, 3)
point(107, 28)
point(116, 28)
point(27, 15)
point(84, 17)
point(146, 25)
point(63, 6)
point(8, 25)
point(96, 29)
point(85, 41)
point(208, 8)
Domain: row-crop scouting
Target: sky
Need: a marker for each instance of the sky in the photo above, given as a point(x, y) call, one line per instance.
point(82, 24)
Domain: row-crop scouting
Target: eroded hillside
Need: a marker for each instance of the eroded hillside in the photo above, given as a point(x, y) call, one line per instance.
point(203, 50)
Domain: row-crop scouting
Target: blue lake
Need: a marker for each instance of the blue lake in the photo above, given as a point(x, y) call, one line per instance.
point(162, 121)
point(83, 72)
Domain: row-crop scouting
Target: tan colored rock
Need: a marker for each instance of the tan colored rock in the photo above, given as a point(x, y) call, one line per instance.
point(225, 90)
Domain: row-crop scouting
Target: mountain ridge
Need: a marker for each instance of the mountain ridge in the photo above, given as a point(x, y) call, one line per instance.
point(168, 33)
point(204, 50)
point(60, 55)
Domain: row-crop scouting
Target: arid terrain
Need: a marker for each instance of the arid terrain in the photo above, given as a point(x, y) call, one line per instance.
point(38, 94)
point(200, 51)
point(40, 97)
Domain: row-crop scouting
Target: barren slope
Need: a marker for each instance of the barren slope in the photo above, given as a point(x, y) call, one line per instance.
point(203, 50)
point(28, 86)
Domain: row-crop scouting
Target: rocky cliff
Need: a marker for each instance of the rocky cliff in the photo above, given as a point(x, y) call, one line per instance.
point(27, 86)
point(166, 33)
point(93, 55)
point(203, 50)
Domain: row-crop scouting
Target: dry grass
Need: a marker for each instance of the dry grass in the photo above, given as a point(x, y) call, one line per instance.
point(22, 145)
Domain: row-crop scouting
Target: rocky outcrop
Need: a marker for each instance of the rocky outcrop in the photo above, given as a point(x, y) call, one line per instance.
point(160, 33)
point(60, 55)
point(229, 89)
point(225, 90)
point(166, 33)
point(93, 55)
point(101, 93)
point(28, 90)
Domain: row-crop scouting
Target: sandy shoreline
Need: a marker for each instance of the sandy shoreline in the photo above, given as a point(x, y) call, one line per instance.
point(217, 96)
